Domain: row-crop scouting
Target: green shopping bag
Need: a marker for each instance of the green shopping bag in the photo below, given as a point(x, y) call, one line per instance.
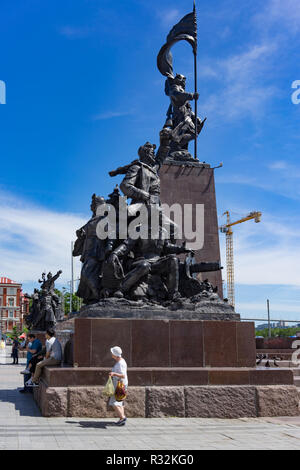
point(109, 389)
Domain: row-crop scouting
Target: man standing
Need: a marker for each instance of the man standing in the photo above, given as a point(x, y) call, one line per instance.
point(15, 351)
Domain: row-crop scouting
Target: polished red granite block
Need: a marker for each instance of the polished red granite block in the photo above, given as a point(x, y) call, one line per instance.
point(246, 349)
point(164, 343)
point(196, 185)
point(228, 377)
point(186, 344)
point(83, 342)
point(220, 344)
point(179, 376)
point(150, 343)
point(271, 377)
point(105, 335)
point(274, 343)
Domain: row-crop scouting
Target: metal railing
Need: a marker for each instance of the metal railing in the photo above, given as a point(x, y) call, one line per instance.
point(274, 321)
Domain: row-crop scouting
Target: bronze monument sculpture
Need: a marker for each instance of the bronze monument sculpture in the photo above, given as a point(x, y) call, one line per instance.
point(46, 309)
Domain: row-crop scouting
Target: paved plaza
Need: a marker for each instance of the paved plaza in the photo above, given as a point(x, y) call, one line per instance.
point(22, 427)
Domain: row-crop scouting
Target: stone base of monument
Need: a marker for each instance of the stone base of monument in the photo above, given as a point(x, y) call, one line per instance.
point(215, 401)
point(195, 368)
point(184, 309)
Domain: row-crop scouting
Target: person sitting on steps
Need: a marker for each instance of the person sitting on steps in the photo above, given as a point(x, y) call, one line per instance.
point(53, 358)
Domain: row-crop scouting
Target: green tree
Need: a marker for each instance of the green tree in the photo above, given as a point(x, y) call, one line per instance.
point(65, 295)
point(16, 332)
point(76, 303)
point(278, 332)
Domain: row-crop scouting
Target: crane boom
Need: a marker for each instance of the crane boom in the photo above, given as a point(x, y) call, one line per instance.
point(252, 215)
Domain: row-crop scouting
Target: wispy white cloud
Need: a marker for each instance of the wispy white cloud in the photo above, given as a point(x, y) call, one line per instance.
point(277, 308)
point(243, 90)
point(286, 170)
point(279, 177)
point(280, 14)
point(279, 165)
point(246, 82)
point(33, 239)
point(111, 115)
point(75, 32)
point(168, 16)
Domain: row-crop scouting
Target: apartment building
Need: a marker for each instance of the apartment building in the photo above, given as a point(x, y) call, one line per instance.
point(12, 305)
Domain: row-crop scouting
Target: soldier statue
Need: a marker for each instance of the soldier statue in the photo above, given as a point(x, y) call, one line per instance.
point(92, 252)
point(181, 118)
point(152, 256)
point(141, 182)
point(46, 307)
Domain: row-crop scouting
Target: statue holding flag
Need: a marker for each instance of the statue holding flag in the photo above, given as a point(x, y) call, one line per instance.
point(183, 122)
point(181, 118)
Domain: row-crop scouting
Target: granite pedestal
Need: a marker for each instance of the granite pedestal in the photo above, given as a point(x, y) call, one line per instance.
point(194, 183)
point(175, 368)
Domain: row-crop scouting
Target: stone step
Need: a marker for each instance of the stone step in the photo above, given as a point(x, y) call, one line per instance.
point(289, 365)
point(169, 376)
point(281, 364)
point(297, 382)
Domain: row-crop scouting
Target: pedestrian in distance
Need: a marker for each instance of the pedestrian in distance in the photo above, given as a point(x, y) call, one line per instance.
point(15, 351)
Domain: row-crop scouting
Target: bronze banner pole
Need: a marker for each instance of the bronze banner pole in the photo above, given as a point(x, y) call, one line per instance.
point(196, 88)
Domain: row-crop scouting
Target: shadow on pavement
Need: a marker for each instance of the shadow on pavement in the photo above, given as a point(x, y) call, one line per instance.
point(93, 424)
point(23, 402)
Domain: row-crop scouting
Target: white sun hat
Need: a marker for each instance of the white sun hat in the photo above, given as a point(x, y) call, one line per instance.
point(116, 351)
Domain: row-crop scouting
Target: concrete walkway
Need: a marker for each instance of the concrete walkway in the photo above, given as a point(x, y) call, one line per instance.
point(22, 427)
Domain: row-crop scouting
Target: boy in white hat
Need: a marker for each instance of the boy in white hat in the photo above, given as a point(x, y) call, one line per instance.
point(119, 372)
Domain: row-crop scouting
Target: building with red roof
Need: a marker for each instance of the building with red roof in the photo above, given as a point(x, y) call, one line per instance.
point(13, 305)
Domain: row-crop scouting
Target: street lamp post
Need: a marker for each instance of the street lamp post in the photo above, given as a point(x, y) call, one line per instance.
point(72, 277)
point(269, 322)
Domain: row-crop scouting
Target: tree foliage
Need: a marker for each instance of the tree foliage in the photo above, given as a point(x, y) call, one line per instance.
point(76, 301)
point(16, 332)
point(278, 332)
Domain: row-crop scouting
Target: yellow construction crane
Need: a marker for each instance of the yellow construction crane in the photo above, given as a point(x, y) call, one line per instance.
point(227, 229)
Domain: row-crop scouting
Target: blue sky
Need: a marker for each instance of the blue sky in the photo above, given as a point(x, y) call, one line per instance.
point(83, 92)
